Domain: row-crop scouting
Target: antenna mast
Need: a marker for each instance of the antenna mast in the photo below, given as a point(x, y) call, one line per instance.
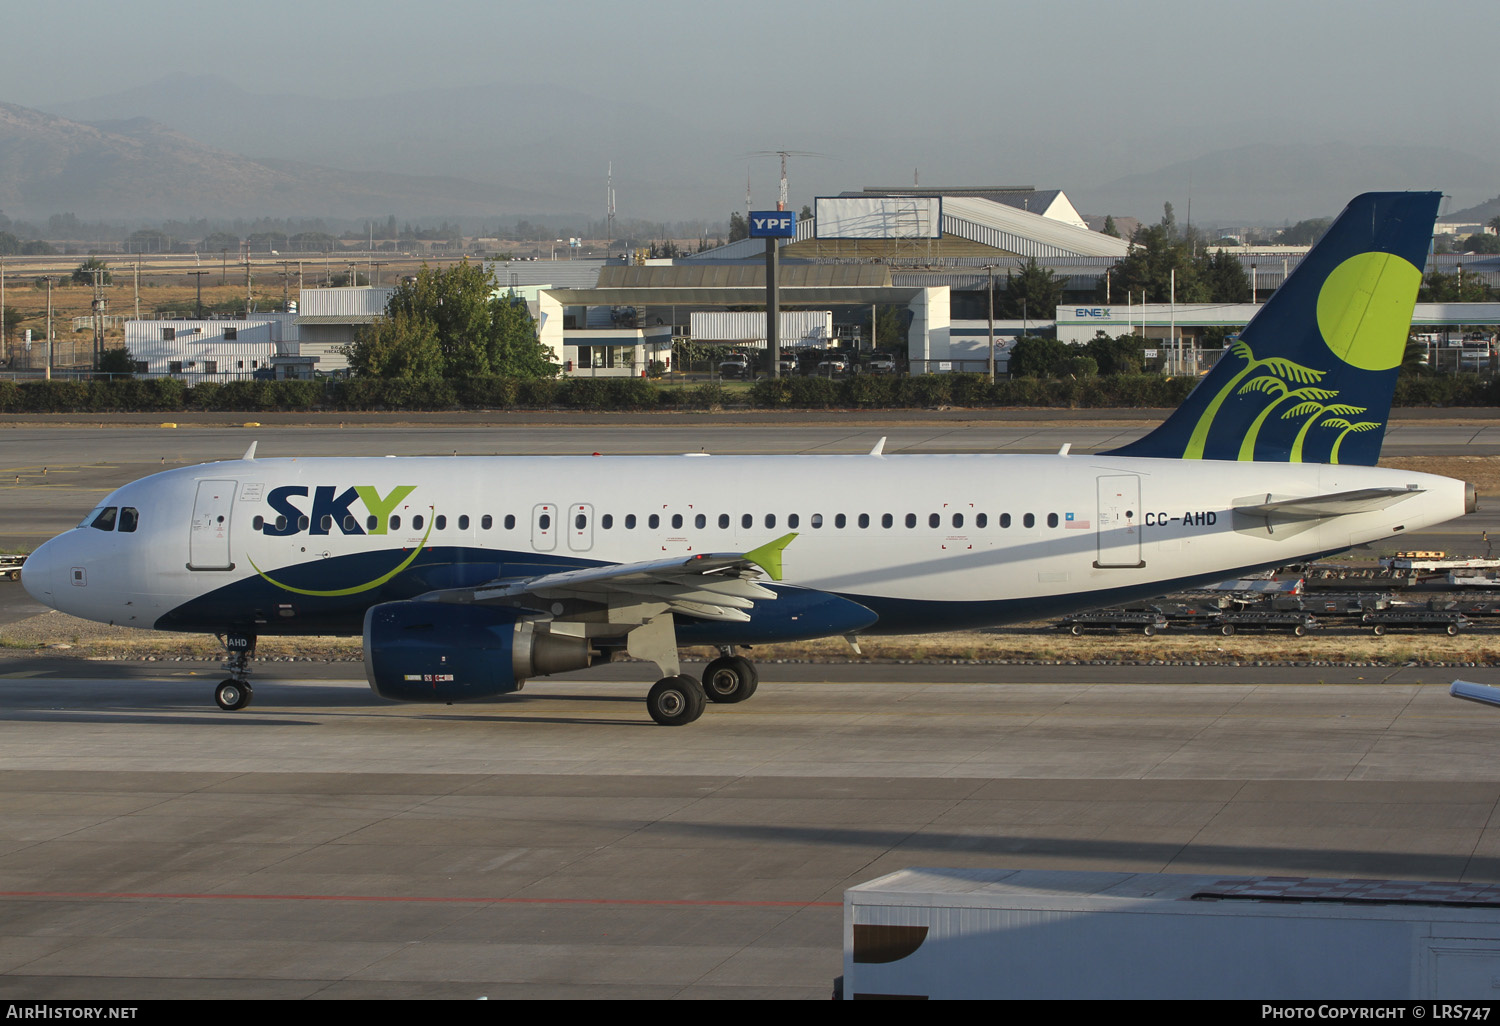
point(609, 209)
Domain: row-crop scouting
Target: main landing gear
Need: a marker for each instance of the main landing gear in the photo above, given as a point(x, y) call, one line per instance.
point(235, 693)
point(680, 699)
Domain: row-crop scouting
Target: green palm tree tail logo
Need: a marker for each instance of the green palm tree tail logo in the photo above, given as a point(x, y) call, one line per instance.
point(1312, 376)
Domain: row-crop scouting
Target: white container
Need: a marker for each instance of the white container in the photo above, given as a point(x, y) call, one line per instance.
point(988, 933)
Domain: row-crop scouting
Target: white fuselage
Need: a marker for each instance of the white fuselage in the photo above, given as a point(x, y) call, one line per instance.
point(925, 540)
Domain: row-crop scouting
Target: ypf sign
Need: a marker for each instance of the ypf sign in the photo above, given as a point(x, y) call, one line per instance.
point(773, 224)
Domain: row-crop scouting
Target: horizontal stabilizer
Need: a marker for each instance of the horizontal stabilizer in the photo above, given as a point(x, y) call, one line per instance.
point(1334, 504)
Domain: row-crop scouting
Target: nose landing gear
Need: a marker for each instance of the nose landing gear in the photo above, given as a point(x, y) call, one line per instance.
point(236, 692)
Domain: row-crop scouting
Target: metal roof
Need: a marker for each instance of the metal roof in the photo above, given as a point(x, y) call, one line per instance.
point(744, 276)
point(563, 274)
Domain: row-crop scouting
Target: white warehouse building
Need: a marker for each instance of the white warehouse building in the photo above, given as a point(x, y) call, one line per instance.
point(209, 350)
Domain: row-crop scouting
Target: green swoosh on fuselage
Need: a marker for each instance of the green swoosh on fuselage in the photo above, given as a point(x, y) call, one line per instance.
point(339, 592)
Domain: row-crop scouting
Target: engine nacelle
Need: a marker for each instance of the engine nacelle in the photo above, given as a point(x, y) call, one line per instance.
point(445, 652)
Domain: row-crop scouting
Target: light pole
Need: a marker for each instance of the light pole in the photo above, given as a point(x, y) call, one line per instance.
point(991, 294)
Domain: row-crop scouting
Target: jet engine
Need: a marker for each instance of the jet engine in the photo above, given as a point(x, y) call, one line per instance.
point(444, 652)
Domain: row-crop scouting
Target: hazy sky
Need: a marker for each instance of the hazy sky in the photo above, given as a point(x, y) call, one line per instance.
point(1069, 93)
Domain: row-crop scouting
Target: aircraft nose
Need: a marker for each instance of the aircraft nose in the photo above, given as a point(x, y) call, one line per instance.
point(39, 574)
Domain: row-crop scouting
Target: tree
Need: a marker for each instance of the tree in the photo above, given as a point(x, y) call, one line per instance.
point(397, 346)
point(1109, 227)
point(1454, 288)
point(1479, 242)
point(1304, 233)
point(890, 328)
point(448, 323)
point(1224, 278)
point(1124, 354)
point(739, 228)
point(1036, 357)
point(83, 274)
point(1148, 269)
point(116, 361)
point(1034, 292)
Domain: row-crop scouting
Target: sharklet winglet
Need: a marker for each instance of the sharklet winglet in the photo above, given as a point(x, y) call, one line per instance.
point(768, 556)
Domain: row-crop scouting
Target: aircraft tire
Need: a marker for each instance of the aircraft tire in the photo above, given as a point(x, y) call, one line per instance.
point(730, 679)
point(676, 701)
point(233, 695)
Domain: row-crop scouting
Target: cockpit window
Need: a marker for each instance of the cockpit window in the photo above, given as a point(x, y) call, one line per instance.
point(105, 521)
point(129, 517)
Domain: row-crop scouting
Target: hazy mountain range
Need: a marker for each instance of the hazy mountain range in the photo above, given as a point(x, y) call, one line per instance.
point(199, 146)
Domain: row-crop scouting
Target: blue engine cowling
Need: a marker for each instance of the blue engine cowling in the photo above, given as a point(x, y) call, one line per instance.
point(444, 652)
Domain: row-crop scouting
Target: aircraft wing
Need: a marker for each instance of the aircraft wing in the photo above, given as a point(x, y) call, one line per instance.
point(710, 586)
point(1484, 694)
point(1333, 504)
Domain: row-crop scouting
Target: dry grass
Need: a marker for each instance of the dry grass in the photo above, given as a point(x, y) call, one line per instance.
point(61, 634)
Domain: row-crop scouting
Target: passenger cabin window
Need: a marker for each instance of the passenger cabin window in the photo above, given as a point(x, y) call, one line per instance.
point(653, 521)
point(724, 521)
point(1004, 519)
point(350, 524)
point(463, 522)
point(607, 521)
point(105, 521)
point(770, 519)
point(440, 522)
point(303, 523)
point(325, 523)
point(372, 522)
point(543, 522)
point(395, 523)
point(747, 520)
point(700, 521)
point(816, 520)
point(630, 521)
point(911, 520)
point(510, 521)
point(580, 521)
point(676, 520)
point(933, 520)
point(486, 522)
point(886, 520)
point(1029, 520)
point(981, 519)
point(792, 520)
point(1051, 519)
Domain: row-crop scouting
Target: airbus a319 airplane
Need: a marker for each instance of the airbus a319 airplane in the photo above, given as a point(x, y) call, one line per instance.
point(467, 575)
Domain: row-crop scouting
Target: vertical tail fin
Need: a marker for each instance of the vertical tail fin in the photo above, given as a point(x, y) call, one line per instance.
point(1312, 375)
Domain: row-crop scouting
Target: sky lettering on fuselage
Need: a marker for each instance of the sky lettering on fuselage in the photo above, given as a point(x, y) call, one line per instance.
point(328, 502)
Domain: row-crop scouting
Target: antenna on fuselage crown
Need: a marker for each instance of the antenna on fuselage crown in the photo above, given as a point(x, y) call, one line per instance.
point(250, 452)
